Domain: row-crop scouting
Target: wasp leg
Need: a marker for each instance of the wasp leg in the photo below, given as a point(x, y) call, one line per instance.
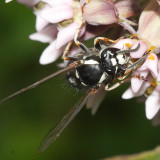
point(67, 50)
point(104, 39)
point(107, 88)
point(77, 42)
point(127, 72)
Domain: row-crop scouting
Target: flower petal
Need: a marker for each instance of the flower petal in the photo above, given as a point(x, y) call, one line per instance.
point(136, 83)
point(7, 1)
point(149, 24)
point(67, 34)
point(158, 1)
point(58, 2)
point(127, 8)
point(74, 51)
point(40, 23)
point(121, 44)
point(128, 94)
point(28, 2)
point(139, 53)
point(151, 63)
point(92, 31)
point(82, 2)
point(50, 54)
point(153, 103)
point(100, 12)
point(46, 35)
point(57, 14)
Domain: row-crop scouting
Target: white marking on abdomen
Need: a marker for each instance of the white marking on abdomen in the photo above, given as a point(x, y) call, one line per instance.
point(72, 81)
point(77, 75)
point(83, 84)
point(90, 62)
point(103, 77)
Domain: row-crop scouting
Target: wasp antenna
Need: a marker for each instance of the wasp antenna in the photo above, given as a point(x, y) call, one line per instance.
point(130, 50)
point(55, 132)
point(137, 62)
point(36, 84)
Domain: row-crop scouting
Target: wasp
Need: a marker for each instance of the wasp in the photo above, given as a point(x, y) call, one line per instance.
point(102, 67)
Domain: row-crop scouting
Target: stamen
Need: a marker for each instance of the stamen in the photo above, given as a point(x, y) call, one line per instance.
point(153, 84)
point(151, 57)
point(135, 35)
point(128, 45)
point(151, 48)
point(149, 91)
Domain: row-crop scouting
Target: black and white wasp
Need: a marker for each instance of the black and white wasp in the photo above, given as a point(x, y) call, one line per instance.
point(101, 67)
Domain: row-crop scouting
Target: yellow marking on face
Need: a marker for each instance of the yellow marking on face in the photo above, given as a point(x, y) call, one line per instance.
point(151, 57)
point(89, 1)
point(128, 45)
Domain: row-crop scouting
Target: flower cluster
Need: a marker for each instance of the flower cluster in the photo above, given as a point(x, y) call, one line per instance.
point(145, 79)
point(149, 38)
point(57, 22)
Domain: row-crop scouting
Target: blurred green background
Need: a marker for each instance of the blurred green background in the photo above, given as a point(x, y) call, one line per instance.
point(119, 127)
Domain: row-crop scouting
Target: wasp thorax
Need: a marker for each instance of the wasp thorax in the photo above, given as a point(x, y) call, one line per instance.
point(112, 60)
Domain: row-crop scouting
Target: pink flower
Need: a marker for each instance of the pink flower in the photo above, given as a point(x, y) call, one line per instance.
point(148, 33)
point(107, 12)
point(30, 3)
point(56, 24)
point(58, 20)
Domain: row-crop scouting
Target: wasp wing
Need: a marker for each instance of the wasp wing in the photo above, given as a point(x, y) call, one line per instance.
point(36, 84)
point(94, 101)
point(55, 132)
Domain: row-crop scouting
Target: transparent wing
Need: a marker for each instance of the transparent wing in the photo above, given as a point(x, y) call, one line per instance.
point(36, 84)
point(55, 132)
point(94, 101)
